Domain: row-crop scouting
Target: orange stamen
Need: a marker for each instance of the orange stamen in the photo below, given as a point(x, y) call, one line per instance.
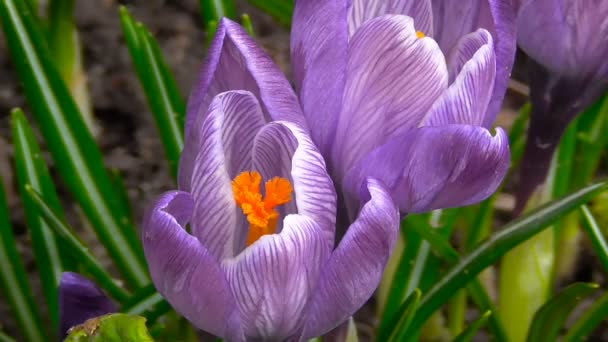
point(261, 213)
point(420, 34)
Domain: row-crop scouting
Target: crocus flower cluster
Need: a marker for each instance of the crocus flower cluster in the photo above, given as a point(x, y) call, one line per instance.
point(245, 249)
point(567, 41)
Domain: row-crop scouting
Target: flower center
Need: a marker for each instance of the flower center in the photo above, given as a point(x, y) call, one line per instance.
point(260, 213)
point(420, 34)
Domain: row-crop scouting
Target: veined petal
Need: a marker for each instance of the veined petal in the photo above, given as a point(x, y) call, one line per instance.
point(184, 272)
point(236, 62)
point(465, 49)
point(79, 300)
point(393, 78)
point(319, 46)
point(221, 143)
point(283, 149)
point(272, 280)
point(355, 268)
point(420, 10)
point(466, 99)
point(436, 167)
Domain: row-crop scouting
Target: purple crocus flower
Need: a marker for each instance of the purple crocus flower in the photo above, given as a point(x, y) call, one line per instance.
point(568, 43)
point(79, 300)
point(260, 264)
point(405, 91)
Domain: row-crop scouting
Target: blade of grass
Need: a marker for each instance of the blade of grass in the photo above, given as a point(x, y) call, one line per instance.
point(281, 10)
point(146, 302)
point(469, 333)
point(215, 10)
point(550, 318)
point(496, 246)
point(588, 321)
point(13, 280)
point(31, 169)
point(405, 314)
point(77, 157)
point(77, 248)
point(158, 83)
point(595, 234)
point(247, 24)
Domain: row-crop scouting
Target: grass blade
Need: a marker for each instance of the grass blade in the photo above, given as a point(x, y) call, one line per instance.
point(496, 246)
point(77, 157)
point(470, 332)
point(158, 83)
point(77, 248)
point(405, 314)
point(550, 318)
point(592, 317)
point(215, 10)
point(31, 169)
point(147, 302)
point(596, 236)
point(13, 280)
point(281, 10)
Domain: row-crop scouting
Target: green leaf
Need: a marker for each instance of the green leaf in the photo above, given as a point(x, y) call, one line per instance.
point(470, 332)
point(496, 246)
point(76, 247)
point(77, 157)
point(595, 235)
point(31, 169)
point(281, 10)
point(247, 24)
point(588, 321)
point(146, 302)
point(111, 328)
point(550, 318)
point(215, 10)
point(404, 314)
point(159, 86)
point(5, 338)
point(438, 243)
point(13, 280)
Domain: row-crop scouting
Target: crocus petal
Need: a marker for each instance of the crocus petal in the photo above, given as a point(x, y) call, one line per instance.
point(79, 300)
point(465, 49)
point(393, 78)
point(355, 268)
point(436, 167)
point(273, 279)
point(319, 45)
point(184, 272)
point(285, 150)
point(222, 140)
point(420, 10)
point(235, 62)
point(466, 99)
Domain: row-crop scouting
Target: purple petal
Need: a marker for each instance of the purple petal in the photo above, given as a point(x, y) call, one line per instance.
point(355, 268)
point(283, 149)
point(222, 143)
point(363, 10)
point(393, 79)
point(466, 99)
point(319, 45)
point(273, 279)
point(235, 62)
point(569, 37)
point(184, 272)
point(79, 300)
point(436, 167)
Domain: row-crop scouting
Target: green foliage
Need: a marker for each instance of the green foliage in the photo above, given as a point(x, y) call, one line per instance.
point(111, 328)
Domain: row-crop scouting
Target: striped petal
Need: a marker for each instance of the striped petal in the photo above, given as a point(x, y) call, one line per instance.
point(273, 279)
point(355, 268)
point(236, 62)
point(420, 10)
point(183, 270)
point(393, 79)
point(436, 167)
point(221, 143)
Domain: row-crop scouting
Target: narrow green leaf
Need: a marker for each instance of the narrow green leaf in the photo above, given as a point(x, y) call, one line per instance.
point(215, 10)
point(13, 280)
point(111, 328)
point(159, 85)
point(496, 246)
point(31, 169)
point(247, 24)
point(146, 302)
point(470, 332)
point(438, 243)
point(77, 157)
point(550, 318)
point(595, 234)
point(281, 10)
point(588, 321)
point(404, 314)
point(5, 338)
point(78, 249)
